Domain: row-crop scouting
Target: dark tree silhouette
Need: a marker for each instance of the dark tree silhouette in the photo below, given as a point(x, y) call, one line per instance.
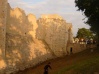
point(90, 8)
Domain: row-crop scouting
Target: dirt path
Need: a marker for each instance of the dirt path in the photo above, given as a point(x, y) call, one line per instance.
point(59, 63)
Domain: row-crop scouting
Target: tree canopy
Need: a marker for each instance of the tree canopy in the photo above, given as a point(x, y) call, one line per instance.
point(91, 10)
point(84, 33)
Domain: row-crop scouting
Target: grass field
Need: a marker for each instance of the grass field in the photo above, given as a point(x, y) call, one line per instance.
point(89, 66)
point(85, 62)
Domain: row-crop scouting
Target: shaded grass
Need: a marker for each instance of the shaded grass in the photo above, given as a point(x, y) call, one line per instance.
point(88, 66)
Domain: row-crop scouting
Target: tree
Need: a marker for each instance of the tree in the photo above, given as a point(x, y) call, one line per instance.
point(84, 33)
point(91, 10)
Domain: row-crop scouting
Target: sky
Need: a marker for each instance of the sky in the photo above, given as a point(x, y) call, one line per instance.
point(64, 8)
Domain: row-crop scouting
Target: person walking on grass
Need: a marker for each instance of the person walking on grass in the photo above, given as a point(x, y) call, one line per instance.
point(46, 68)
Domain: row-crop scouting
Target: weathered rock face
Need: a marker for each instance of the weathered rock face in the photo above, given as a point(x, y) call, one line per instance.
point(55, 32)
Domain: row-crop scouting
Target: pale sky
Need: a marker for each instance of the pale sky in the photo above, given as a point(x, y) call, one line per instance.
point(64, 8)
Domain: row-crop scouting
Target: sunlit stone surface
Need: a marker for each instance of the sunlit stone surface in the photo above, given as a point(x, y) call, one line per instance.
point(26, 41)
point(54, 30)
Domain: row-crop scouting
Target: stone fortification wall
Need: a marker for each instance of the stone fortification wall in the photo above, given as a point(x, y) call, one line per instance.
point(51, 16)
point(23, 50)
point(54, 31)
point(3, 9)
point(70, 33)
point(76, 47)
point(32, 20)
point(26, 42)
point(73, 47)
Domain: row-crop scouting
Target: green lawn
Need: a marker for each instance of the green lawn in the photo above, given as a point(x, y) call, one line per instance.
point(89, 66)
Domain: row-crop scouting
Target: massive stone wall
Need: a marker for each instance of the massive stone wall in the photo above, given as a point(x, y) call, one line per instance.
point(51, 16)
point(26, 41)
point(32, 20)
point(55, 32)
point(27, 51)
point(3, 7)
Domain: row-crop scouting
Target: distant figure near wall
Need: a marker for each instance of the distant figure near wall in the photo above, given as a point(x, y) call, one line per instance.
point(71, 49)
